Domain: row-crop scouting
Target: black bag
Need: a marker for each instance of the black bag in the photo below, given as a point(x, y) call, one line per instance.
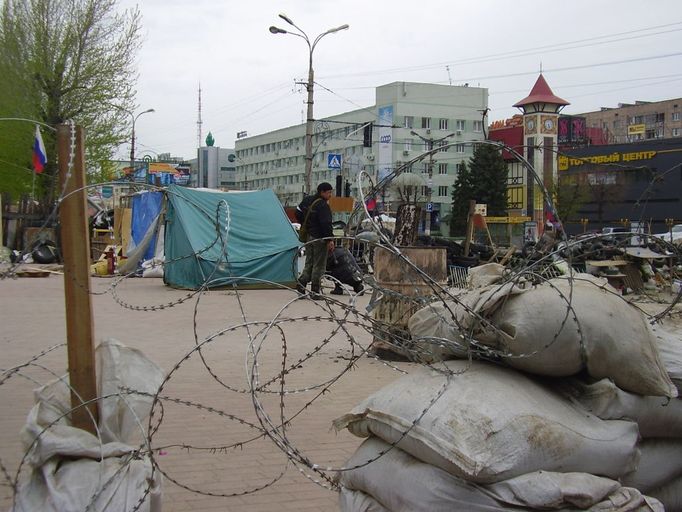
point(303, 231)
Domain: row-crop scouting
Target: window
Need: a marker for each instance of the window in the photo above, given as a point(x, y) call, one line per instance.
point(425, 191)
point(458, 167)
point(459, 148)
point(409, 122)
point(443, 124)
point(425, 168)
point(676, 132)
point(426, 122)
point(461, 124)
point(676, 116)
point(442, 168)
point(442, 190)
point(443, 145)
point(428, 145)
point(408, 145)
point(478, 126)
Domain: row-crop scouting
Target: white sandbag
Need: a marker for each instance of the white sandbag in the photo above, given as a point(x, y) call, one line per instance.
point(443, 330)
point(670, 495)
point(660, 462)
point(655, 416)
point(491, 424)
point(122, 417)
point(402, 483)
point(544, 337)
point(116, 483)
point(357, 501)
point(72, 467)
point(670, 349)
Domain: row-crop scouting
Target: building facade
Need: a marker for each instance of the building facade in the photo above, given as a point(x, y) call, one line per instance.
point(639, 121)
point(214, 167)
point(407, 119)
point(626, 183)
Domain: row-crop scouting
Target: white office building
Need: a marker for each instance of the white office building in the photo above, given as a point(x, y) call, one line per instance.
point(406, 119)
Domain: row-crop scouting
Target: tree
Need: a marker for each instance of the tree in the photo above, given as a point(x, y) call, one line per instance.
point(462, 193)
point(484, 180)
point(489, 176)
point(66, 60)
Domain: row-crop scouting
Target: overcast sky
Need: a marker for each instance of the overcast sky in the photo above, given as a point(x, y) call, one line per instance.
point(593, 53)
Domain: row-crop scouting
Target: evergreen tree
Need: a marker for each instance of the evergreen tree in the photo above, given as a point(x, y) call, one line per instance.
point(462, 193)
point(489, 176)
point(483, 180)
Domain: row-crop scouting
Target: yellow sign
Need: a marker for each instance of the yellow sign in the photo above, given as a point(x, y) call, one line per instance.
point(507, 220)
point(567, 161)
point(636, 129)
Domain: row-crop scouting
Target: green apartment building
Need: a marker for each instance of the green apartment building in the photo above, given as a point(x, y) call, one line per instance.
point(406, 120)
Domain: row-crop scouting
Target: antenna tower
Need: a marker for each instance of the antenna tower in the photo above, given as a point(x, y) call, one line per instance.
point(199, 119)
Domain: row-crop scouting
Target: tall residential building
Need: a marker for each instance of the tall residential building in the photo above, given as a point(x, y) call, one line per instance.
point(642, 120)
point(406, 119)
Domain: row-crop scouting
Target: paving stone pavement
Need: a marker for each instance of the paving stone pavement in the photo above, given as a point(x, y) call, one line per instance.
point(32, 319)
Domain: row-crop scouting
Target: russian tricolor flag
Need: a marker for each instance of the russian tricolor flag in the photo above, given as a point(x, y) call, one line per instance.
point(39, 156)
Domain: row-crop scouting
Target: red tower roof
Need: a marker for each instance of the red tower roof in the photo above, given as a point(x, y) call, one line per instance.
point(541, 93)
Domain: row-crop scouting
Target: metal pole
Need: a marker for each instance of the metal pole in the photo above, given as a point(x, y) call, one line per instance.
point(429, 183)
point(132, 149)
point(309, 129)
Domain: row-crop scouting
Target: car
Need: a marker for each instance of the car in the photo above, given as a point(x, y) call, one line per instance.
point(615, 233)
point(675, 233)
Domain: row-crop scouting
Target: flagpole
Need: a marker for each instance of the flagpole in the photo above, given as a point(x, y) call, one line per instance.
point(33, 186)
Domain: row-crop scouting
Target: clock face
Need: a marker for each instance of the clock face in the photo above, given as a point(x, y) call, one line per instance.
point(530, 125)
point(548, 124)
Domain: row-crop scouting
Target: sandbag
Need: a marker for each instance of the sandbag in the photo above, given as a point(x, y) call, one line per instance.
point(610, 338)
point(118, 483)
point(670, 349)
point(358, 501)
point(660, 462)
point(491, 424)
point(670, 495)
point(400, 483)
point(655, 416)
point(72, 467)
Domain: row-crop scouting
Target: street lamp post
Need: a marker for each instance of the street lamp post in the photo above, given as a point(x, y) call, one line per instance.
point(430, 146)
point(132, 139)
point(309, 87)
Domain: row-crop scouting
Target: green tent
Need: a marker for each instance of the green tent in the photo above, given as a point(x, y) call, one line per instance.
point(217, 238)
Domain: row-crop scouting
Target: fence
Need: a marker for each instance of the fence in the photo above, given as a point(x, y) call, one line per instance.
point(17, 217)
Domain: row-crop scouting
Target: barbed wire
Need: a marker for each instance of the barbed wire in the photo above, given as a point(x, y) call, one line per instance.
point(278, 398)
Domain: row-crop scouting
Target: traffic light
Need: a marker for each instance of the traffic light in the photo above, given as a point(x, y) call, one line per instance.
point(367, 136)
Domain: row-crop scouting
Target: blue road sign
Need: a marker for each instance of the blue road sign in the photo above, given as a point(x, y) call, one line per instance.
point(429, 207)
point(334, 161)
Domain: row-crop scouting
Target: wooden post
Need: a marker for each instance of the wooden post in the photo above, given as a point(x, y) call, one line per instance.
point(470, 226)
point(75, 248)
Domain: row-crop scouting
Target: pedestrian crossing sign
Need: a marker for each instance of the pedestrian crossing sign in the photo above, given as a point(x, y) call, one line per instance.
point(334, 161)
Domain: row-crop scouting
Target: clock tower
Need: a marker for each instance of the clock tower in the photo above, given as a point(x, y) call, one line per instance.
point(540, 118)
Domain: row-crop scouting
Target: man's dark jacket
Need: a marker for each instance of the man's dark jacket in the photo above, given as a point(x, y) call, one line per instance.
point(320, 218)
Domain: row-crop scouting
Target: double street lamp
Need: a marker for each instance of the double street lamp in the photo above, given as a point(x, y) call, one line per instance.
point(309, 88)
point(430, 145)
point(133, 117)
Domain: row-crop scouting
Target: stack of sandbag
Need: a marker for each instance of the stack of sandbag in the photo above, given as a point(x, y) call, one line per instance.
point(577, 411)
point(659, 421)
point(483, 437)
point(559, 328)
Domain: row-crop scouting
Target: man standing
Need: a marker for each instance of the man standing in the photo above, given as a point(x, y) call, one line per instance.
point(315, 216)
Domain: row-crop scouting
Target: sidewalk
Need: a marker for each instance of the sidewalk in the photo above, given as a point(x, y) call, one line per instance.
point(33, 320)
